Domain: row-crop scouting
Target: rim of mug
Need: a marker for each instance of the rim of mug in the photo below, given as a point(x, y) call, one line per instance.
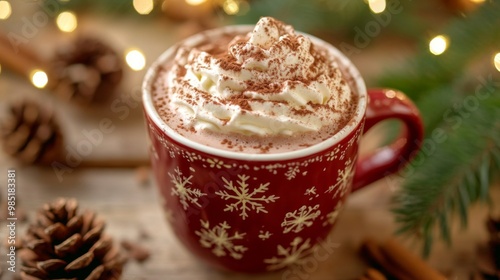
point(153, 114)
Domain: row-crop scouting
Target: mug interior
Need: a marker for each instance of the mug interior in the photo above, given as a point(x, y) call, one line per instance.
point(346, 66)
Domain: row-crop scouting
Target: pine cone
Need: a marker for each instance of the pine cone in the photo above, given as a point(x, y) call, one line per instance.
point(88, 71)
point(31, 134)
point(63, 244)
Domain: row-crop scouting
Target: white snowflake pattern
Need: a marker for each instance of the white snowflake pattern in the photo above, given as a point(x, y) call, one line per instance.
point(245, 199)
point(297, 220)
point(332, 155)
point(163, 141)
point(217, 163)
point(332, 216)
point(343, 181)
point(292, 172)
point(181, 189)
point(193, 157)
point(220, 240)
point(294, 255)
point(171, 153)
point(264, 235)
point(352, 140)
point(311, 192)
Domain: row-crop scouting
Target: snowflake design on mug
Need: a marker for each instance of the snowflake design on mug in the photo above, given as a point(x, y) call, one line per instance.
point(311, 192)
point(297, 220)
point(217, 163)
point(292, 172)
point(332, 155)
point(244, 200)
point(295, 254)
point(220, 240)
point(182, 189)
point(264, 235)
point(344, 180)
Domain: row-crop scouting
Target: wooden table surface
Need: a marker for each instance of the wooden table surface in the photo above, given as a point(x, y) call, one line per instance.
point(132, 209)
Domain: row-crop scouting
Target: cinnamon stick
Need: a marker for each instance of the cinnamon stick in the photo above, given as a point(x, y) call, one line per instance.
point(21, 49)
point(22, 60)
point(373, 252)
point(414, 266)
point(374, 274)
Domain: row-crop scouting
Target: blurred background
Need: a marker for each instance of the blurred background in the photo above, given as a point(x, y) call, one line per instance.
point(72, 125)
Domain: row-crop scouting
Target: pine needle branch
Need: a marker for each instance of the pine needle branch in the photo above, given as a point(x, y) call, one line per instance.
point(452, 172)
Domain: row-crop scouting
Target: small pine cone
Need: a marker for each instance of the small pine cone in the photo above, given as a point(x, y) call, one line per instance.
point(31, 134)
point(88, 71)
point(63, 244)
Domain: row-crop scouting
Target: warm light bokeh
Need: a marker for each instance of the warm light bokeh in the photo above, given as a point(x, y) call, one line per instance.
point(195, 2)
point(143, 7)
point(39, 78)
point(231, 7)
point(135, 59)
point(5, 10)
point(496, 61)
point(66, 21)
point(377, 6)
point(438, 45)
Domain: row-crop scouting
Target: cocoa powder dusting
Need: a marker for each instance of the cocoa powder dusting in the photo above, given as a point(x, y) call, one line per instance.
point(267, 76)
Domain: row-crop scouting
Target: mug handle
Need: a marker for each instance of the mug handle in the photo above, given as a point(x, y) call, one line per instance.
point(386, 104)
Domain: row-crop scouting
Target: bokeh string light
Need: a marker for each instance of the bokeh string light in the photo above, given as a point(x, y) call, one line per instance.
point(195, 2)
point(231, 7)
point(377, 6)
point(143, 7)
point(496, 61)
point(5, 10)
point(135, 59)
point(438, 44)
point(39, 78)
point(67, 21)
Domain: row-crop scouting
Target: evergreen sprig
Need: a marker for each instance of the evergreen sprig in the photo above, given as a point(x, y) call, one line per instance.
point(452, 171)
point(461, 109)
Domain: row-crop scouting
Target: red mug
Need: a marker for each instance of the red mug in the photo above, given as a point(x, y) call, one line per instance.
point(264, 212)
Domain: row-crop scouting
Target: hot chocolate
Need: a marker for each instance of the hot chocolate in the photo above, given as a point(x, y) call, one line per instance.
point(271, 90)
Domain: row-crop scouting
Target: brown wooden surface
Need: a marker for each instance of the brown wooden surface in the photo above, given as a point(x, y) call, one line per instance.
point(132, 209)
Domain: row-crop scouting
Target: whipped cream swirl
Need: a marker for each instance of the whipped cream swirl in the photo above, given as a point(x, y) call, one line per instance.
point(270, 81)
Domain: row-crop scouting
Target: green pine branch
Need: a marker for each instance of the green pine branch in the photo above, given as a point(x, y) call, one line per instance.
point(461, 110)
point(453, 171)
